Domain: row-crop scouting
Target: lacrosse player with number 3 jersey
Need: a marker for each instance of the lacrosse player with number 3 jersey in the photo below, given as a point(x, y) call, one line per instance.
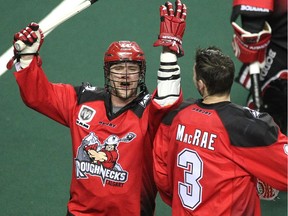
point(209, 153)
point(112, 128)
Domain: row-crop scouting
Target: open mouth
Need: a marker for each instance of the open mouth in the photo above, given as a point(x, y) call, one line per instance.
point(125, 84)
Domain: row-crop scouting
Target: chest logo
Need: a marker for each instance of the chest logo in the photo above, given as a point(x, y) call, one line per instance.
point(100, 159)
point(85, 115)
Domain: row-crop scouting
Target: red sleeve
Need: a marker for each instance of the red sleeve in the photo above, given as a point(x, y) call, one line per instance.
point(269, 163)
point(268, 4)
point(160, 153)
point(53, 100)
point(157, 112)
point(160, 150)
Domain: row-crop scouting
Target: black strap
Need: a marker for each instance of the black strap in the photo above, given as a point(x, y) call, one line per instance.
point(18, 55)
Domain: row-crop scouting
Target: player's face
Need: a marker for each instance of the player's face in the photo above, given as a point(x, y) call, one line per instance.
point(124, 79)
point(109, 147)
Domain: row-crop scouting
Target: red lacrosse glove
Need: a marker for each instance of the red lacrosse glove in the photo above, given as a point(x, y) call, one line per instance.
point(30, 40)
point(248, 47)
point(172, 27)
point(265, 191)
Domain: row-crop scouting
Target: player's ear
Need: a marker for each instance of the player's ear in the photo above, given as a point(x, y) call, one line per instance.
point(201, 85)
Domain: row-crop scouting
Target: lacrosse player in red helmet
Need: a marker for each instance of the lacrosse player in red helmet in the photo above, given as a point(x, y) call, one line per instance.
point(124, 108)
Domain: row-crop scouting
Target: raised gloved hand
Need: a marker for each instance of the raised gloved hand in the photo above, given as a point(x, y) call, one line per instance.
point(251, 47)
point(30, 40)
point(265, 191)
point(172, 27)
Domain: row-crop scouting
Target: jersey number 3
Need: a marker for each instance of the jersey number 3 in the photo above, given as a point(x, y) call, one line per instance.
point(190, 191)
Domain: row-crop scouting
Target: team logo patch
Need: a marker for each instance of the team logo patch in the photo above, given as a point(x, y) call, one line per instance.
point(145, 100)
point(100, 159)
point(85, 115)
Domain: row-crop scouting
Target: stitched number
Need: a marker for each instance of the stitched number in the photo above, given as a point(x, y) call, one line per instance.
point(190, 191)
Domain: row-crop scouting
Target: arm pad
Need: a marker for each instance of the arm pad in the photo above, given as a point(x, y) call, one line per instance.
point(168, 88)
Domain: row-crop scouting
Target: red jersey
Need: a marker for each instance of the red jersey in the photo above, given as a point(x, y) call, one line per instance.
point(125, 188)
point(208, 158)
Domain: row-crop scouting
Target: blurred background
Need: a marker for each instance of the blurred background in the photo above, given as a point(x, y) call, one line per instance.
point(35, 155)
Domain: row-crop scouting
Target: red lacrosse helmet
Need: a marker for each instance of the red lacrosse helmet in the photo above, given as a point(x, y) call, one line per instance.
point(124, 51)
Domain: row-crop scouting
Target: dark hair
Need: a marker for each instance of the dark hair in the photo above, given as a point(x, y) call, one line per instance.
point(215, 69)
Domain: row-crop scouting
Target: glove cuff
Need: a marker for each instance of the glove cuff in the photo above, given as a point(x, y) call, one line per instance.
point(25, 62)
point(249, 47)
point(169, 37)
